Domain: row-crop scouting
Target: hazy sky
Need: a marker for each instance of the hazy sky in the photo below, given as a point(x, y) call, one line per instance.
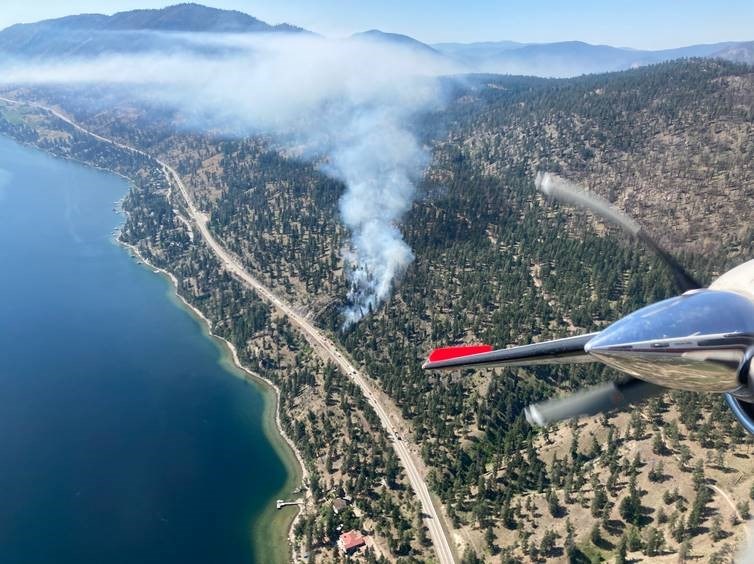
point(650, 24)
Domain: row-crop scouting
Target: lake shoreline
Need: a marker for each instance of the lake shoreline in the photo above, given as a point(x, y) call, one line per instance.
point(272, 521)
point(272, 524)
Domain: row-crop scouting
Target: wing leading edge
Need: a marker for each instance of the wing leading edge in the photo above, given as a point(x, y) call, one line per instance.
point(569, 350)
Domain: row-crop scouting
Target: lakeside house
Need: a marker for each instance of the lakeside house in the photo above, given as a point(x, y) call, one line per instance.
point(351, 541)
point(339, 504)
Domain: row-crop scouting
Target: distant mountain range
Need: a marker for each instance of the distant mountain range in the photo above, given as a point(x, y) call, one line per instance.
point(571, 58)
point(92, 34)
point(133, 31)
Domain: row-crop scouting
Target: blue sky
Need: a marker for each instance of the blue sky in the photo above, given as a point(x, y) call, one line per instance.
point(649, 24)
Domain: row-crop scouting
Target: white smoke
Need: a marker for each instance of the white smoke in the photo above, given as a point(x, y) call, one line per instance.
point(379, 163)
point(351, 101)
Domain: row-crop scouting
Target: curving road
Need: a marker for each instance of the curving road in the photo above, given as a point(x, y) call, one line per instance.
point(316, 337)
point(329, 349)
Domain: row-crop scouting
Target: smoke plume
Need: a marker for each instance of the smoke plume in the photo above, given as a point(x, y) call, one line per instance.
point(349, 103)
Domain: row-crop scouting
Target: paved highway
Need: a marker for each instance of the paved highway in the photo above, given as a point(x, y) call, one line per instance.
point(314, 335)
point(330, 350)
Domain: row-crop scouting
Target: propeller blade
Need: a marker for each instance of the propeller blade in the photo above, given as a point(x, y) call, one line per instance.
point(570, 193)
point(605, 397)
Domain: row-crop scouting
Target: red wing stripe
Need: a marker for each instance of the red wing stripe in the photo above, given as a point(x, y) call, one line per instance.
point(446, 353)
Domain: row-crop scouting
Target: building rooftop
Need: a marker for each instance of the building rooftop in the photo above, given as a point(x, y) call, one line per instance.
point(351, 541)
point(339, 504)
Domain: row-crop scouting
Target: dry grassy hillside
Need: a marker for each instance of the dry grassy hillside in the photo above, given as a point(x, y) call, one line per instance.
point(672, 145)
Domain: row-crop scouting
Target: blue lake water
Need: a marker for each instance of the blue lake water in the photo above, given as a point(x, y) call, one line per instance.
point(123, 436)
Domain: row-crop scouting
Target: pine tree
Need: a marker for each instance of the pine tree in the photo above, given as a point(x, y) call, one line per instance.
point(569, 545)
point(662, 517)
point(697, 509)
point(716, 528)
point(655, 542)
point(630, 506)
point(594, 535)
point(548, 542)
point(657, 473)
point(598, 501)
point(622, 550)
point(684, 551)
point(470, 557)
point(698, 475)
point(634, 539)
point(658, 447)
point(489, 538)
point(553, 503)
point(679, 531)
point(744, 509)
point(669, 497)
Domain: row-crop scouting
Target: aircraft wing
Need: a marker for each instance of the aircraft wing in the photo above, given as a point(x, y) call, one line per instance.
point(569, 350)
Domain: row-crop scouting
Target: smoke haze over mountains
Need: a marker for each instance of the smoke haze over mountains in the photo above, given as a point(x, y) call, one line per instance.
point(348, 103)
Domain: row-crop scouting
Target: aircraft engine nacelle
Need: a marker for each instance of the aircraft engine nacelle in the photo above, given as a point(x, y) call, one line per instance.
point(701, 341)
point(698, 341)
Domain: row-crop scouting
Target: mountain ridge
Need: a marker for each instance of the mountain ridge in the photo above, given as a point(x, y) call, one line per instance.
point(184, 17)
point(86, 35)
point(134, 31)
point(395, 38)
point(571, 58)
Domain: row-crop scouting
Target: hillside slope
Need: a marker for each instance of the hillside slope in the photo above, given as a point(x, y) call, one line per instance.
point(739, 53)
point(671, 144)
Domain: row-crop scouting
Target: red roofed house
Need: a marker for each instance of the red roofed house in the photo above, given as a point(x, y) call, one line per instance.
point(351, 541)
